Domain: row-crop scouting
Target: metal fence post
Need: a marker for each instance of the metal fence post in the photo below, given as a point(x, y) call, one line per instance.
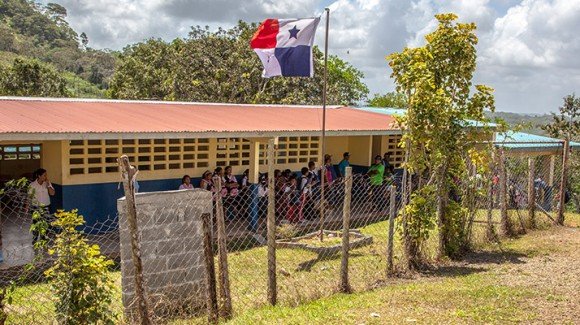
point(128, 174)
point(392, 213)
point(271, 225)
point(211, 299)
point(225, 296)
point(344, 283)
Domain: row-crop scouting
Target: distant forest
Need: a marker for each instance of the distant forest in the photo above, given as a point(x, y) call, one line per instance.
point(530, 123)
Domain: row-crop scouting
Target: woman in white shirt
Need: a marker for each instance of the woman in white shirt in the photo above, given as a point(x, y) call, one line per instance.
point(40, 192)
point(41, 189)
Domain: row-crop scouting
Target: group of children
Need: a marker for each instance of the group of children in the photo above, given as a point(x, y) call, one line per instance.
point(297, 195)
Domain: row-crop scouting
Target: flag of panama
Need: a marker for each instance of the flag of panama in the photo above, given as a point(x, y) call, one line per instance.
point(285, 46)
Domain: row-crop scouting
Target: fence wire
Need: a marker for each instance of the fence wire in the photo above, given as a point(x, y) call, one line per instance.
point(309, 219)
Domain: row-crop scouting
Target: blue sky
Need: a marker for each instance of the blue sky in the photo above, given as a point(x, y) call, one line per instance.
point(528, 49)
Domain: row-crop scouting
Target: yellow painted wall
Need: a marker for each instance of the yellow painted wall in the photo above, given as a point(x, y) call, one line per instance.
point(360, 148)
point(52, 159)
point(337, 146)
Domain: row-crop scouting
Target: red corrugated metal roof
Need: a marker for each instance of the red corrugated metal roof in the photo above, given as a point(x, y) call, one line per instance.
point(29, 115)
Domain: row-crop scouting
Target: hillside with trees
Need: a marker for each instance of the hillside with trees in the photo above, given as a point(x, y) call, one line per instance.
point(41, 55)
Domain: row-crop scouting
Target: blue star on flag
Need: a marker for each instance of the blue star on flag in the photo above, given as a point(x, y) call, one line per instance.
point(294, 32)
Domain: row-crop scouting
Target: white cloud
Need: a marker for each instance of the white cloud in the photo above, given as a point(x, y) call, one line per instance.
point(527, 50)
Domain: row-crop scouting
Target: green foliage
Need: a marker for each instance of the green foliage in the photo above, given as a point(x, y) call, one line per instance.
point(31, 78)
point(221, 67)
point(391, 99)
point(19, 190)
point(41, 32)
point(79, 276)
point(422, 208)
point(437, 81)
point(566, 125)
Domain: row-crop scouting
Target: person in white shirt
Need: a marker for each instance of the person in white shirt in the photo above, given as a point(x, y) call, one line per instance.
point(40, 192)
point(41, 189)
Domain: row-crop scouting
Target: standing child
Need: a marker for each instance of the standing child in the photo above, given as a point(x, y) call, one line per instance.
point(292, 198)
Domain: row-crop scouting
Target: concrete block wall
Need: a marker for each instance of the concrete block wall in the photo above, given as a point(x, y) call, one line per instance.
point(171, 241)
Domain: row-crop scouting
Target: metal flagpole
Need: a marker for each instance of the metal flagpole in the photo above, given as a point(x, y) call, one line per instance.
point(323, 140)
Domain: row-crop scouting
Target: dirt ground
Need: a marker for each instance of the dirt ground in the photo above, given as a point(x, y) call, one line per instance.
point(545, 262)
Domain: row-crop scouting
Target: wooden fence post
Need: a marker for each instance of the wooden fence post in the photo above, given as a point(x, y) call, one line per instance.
point(506, 227)
point(532, 192)
point(224, 278)
point(211, 294)
point(271, 226)
point(344, 283)
point(562, 202)
point(128, 174)
point(490, 229)
point(392, 213)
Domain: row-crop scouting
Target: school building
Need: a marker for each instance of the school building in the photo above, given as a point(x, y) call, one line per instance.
point(78, 142)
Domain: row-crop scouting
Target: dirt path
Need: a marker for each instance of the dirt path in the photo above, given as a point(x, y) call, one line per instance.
point(547, 263)
point(556, 273)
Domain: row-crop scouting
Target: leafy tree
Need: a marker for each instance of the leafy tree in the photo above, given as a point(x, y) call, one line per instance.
point(437, 81)
point(56, 12)
point(84, 40)
point(79, 277)
point(41, 32)
point(221, 67)
point(566, 125)
point(391, 99)
point(32, 78)
point(6, 38)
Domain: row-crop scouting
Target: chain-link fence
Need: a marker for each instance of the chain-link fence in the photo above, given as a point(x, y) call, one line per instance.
point(31, 253)
point(189, 254)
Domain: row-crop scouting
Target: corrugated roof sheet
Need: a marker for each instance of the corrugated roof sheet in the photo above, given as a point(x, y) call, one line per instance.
point(35, 115)
point(524, 141)
point(400, 111)
point(510, 140)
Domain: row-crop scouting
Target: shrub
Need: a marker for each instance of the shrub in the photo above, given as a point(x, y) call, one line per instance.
point(79, 277)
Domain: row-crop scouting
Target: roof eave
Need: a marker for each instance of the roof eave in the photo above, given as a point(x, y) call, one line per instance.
point(55, 136)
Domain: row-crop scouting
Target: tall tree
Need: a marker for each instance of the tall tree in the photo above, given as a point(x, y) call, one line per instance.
point(31, 78)
point(391, 99)
point(566, 125)
point(220, 67)
point(437, 81)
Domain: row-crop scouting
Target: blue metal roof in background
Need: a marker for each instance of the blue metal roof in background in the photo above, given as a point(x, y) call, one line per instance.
point(400, 111)
point(512, 140)
point(521, 140)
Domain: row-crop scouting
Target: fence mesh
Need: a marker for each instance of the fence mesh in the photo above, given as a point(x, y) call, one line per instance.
point(309, 219)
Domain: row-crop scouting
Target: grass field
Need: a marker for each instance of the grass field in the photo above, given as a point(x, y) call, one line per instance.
point(533, 278)
point(477, 289)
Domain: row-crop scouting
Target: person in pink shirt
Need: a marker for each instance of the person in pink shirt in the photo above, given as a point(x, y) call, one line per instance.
point(186, 183)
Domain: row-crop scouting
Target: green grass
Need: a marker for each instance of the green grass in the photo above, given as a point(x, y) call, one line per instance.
point(307, 291)
point(33, 304)
point(433, 302)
